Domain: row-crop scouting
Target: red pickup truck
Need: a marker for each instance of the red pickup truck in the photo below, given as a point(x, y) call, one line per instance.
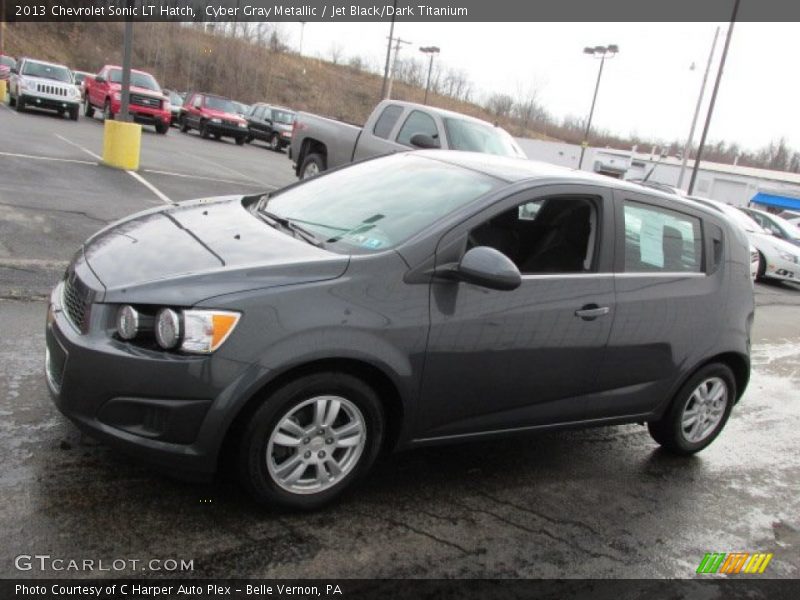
point(147, 105)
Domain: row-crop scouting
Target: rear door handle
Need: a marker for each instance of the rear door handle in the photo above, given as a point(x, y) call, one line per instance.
point(590, 312)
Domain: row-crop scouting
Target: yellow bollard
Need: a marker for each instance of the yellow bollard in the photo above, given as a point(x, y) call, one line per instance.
point(2, 90)
point(122, 144)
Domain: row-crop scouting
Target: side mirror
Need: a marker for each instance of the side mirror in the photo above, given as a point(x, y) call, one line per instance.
point(488, 268)
point(100, 79)
point(423, 140)
point(14, 70)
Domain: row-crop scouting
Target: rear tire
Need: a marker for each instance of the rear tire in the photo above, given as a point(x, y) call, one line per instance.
point(88, 109)
point(314, 164)
point(275, 142)
point(324, 464)
point(699, 411)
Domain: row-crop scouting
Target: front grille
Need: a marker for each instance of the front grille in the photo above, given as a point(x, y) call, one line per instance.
point(53, 90)
point(148, 101)
point(231, 123)
point(76, 301)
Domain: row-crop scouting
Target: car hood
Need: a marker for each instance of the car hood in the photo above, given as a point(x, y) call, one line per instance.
point(188, 252)
point(45, 80)
point(138, 90)
point(221, 114)
point(768, 244)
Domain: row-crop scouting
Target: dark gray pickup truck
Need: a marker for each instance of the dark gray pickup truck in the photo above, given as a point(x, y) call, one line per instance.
point(319, 143)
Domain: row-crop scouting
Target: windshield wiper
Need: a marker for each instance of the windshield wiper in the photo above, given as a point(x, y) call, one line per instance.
point(272, 219)
point(362, 227)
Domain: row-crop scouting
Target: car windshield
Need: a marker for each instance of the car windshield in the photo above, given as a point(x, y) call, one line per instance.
point(283, 116)
point(789, 230)
point(735, 215)
point(79, 77)
point(378, 204)
point(7, 61)
point(476, 137)
point(35, 69)
point(221, 104)
point(175, 99)
point(138, 79)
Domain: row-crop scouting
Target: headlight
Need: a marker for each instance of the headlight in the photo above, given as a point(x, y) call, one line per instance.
point(23, 85)
point(215, 120)
point(127, 322)
point(117, 96)
point(74, 92)
point(788, 257)
point(286, 134)
point(242, 124)
point(206, 330)
point(168, 328)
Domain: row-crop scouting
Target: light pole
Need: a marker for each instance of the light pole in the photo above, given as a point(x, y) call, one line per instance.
point(302, 31)
point(397, 47)
point(388, 54)
point(688, 146)
point(432, 51)
point(601, 52)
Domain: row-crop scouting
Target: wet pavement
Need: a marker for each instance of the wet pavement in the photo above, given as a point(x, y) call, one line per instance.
point(591, 503)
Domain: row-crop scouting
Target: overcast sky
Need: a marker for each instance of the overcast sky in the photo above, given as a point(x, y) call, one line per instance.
point(647, 89)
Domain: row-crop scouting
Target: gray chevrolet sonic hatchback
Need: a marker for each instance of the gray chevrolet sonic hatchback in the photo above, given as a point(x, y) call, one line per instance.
point(419, 298)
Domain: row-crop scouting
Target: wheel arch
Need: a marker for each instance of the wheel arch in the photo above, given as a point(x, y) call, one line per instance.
point(310, 146)
point(377, 378)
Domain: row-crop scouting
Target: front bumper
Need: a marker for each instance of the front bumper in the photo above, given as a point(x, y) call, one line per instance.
point(149, 116)
point(226, 130)
point(169, 410)
point(49, 102)
point(778, 268)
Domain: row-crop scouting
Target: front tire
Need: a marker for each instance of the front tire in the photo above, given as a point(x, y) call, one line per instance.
point(12, 102)
point(314, 164)
point(762, 267)
point(19, 104)
point(311, 440)
point(73, 114)
point(240, 141)
point(184, 124)
point(108, 114)
point(204, 130)
point(161, 128)
point(88, 109)
point(699, 411)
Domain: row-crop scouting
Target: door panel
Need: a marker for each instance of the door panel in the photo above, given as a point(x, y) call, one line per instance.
point(508, 359)
point(666, 320)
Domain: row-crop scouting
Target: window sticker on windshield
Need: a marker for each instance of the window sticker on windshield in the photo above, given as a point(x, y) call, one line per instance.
point(372, 243)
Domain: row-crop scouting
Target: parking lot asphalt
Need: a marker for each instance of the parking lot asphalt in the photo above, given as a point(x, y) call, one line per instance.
point(591, 503)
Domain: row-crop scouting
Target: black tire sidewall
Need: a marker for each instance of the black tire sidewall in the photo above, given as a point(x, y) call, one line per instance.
point(671, 433)
point(275, 142)
point(252, 455)
point(312, 158)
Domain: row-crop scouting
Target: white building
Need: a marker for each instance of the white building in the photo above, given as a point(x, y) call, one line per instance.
point(732, 184)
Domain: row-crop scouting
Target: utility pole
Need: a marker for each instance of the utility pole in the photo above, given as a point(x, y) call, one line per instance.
point(302, 31)
point(2, 25)
point(388, 54)
point(432, 51)
point(398, 41)
point(688, 146)
point(713, 99)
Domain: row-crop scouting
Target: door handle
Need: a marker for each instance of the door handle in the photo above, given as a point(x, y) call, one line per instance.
point(590, 312)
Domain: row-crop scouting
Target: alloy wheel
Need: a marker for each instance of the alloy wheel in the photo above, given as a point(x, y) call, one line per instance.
point(316, 444)
point(704, 410)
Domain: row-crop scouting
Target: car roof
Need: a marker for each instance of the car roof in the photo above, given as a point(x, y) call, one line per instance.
point(514, 170)
point(132, 70)
point(441, 111)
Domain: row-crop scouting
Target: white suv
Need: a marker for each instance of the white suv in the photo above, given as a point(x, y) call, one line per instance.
point(39, 84)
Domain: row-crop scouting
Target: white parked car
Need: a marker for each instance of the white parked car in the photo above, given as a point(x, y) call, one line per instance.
point(778, 259)
point(39, 84)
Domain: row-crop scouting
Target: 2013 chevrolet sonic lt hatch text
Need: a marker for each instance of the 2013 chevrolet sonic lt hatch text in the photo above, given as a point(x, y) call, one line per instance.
point(419, 298)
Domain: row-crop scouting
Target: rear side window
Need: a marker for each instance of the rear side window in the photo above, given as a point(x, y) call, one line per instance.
point(417, 122)
point(385, 123)
point(659, 240)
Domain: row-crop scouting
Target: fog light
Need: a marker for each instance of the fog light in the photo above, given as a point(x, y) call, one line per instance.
point(168, 328)
point(127, 322)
